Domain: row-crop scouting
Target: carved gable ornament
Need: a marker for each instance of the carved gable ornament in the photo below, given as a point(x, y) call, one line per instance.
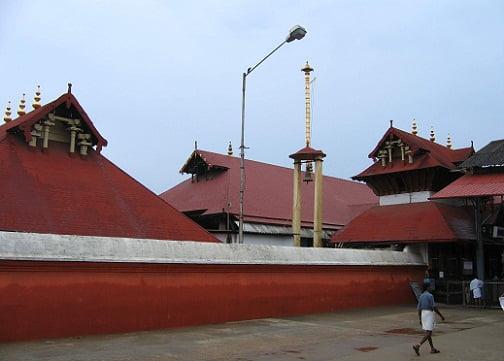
point(394, 148)
point(62, 120)
point(62, 129)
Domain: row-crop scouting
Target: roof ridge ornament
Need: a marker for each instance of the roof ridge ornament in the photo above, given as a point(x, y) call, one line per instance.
point(230, 149)
point(448, 142)
point(22, 105)
point(7, 118)
point(36, 98)
point(432, 135)
point(69, 91)
point(414, 131)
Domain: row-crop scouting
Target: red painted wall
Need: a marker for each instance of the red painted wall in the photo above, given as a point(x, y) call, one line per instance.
point(61, 299)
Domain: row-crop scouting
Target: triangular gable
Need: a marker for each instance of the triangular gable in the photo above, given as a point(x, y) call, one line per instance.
point(399, 151)
point(424, 222)
point(65, 109)
point(200, 162)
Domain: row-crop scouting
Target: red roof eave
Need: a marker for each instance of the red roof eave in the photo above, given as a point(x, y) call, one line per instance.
point(409, 223)
point(307, 153)
point(473, 185)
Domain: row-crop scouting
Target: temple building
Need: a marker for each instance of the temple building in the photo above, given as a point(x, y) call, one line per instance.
point(482, 187)
point(443, 203)
point(283, 207)
point(80, 237)
point(210, 197)
point(54, 180)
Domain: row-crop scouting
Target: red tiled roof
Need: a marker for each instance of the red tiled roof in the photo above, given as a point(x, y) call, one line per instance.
point(307, 153)
point(423, 222)
point(52, 192)
point(268, 193)
point(473, 185)
point(427, 154)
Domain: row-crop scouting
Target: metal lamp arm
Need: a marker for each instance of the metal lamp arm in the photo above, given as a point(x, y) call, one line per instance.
point(250, 70)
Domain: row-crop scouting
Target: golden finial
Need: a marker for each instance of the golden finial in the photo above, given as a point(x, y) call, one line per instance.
point(432, 136)
point(448, 141)
point(415, 130)
point(22, 105)
point(307, 68)
point(230, 149)
point(7, 118)
point(36, 98)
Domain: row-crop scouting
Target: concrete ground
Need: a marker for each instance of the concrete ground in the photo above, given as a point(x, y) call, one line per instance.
point(379, 334)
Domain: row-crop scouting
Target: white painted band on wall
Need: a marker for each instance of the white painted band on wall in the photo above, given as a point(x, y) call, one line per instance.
point(53, 247)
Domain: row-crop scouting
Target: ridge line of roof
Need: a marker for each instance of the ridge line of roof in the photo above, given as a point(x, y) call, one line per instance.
point(234, 158)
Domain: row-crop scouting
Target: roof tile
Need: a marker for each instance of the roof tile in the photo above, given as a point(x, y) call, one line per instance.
point(268, 193)
point(408, 223)
point(474, 185)
point(52, 192)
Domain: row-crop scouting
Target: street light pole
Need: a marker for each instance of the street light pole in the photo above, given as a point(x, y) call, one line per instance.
point(296, 33)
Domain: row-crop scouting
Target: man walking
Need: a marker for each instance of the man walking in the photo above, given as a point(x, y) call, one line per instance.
point(427, 310)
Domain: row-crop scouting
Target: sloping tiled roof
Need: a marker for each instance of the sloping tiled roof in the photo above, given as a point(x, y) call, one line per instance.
point(424, 222)
point(490, 155)
point(52, 192)
point(427, 154)
point(474, 185)
point(307, 153)
point(268, 193)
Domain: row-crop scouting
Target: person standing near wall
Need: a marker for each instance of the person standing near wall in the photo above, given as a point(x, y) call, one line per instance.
point(476, 286)
point(427, 310)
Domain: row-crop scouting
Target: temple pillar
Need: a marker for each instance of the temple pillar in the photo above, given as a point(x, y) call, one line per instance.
point(296, 205)
point(317, 205)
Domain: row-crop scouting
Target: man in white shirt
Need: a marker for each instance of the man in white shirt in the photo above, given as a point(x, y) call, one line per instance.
point(476, 286)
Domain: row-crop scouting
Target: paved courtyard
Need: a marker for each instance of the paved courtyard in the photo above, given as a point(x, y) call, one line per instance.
point(379, 334)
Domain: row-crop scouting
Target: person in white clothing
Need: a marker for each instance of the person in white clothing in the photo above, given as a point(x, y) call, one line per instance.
point(427, 310)
point(476, 286)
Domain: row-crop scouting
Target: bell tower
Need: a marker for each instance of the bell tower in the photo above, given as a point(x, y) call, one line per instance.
point(308, 156)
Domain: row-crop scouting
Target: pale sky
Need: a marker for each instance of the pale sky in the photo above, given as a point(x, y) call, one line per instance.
point(156, 76)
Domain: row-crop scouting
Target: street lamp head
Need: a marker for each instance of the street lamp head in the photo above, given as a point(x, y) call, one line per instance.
point(296, 33)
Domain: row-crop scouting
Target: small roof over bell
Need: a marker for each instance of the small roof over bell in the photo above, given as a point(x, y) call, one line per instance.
point(307, 153)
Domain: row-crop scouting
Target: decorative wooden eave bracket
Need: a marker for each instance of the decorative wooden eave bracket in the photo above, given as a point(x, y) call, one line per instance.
point(392, 144)
point(388, 149)
point(37, 123)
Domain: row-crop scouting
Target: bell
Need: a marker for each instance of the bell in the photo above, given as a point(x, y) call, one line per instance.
point(308, 173)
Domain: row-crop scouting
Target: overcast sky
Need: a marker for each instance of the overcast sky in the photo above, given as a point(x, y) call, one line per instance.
point(157, 76)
